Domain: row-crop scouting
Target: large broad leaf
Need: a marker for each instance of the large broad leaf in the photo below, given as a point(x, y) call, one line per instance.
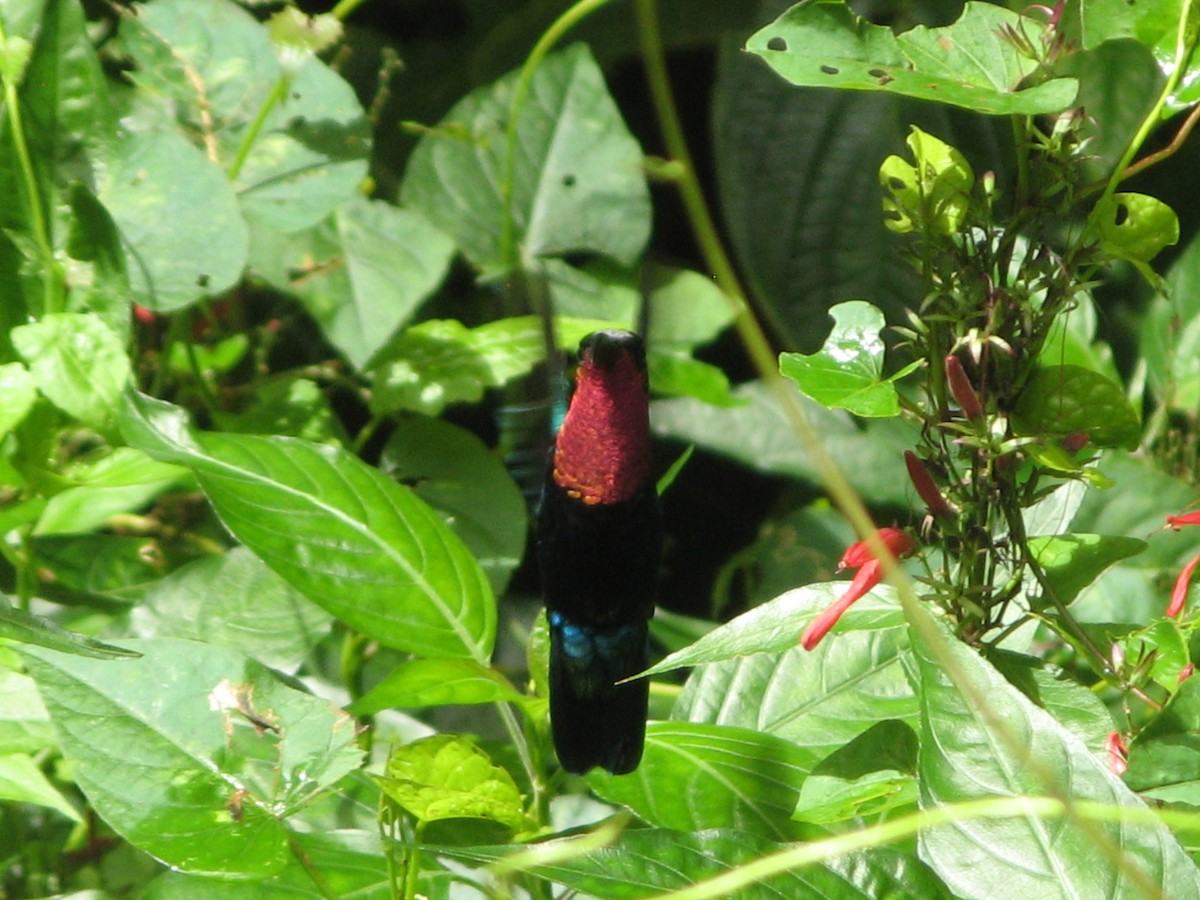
point(1062, 400)
point(353, 861)
point(363, 547)
point(455, 473)
point(577, 184)
point(361, 273)
point(194, 753)
point(235, 601)
point(646, 862)
point(184, 234)
point(820, 699)
point(981, 737)
point(1155, 26)
point(695, 776)
point(972, 63)
point(1073, 561)
point(1170, 334)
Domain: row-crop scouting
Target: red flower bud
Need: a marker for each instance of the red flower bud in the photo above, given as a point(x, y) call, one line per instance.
point(1176, 522)
point(1073, 442)
point(143, 315)
point(1182, 583)
point(927, 490)
point(1185, 673)
point(899, 543)
point(961, 390)
point(1118, 753)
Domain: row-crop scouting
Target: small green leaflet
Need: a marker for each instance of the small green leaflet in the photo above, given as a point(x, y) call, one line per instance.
point(847, 373)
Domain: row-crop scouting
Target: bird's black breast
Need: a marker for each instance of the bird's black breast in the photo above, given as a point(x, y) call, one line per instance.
point(599, 562)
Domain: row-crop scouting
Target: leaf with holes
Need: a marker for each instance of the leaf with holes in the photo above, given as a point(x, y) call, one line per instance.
point(975, 63)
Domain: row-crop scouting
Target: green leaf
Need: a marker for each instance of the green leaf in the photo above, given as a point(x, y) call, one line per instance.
point(220, 69)
point(184, 234)
point(970, 63)
point(21, 781)
point(447, 777)
point(361, 272)
point(1061, 400)
point(697, 776)
point(24, 723)
point(1135, 226)
point(234, 601)
point(26, 628)
point(1072, 705)
point(350, 862)
point(871, 775)
point(932, 193)
point(361, 546)
point(194, 753)
point(847, 373)
point(1164, 639)
point(96, 569)
point(77, 363)
point(122, 481)
point(821, 699)
point(437, 682)
point(94, 238)
point(1170, 335)
point(1162, 761)
point(646, 862)
point(441, 361)
point(455, 473)
point(17, 393)
point(577, 182)
point(775, 626)
point(1073, 561)
point(970, 751)
point(687, 309)
point(1153, 25)
point(756, 433)
point(295, 407)
point(293, 30)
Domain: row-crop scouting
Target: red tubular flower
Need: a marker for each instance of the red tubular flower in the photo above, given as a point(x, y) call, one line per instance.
point(927, 489)
point(864, 579)
point(1177, 522)
point(1118, 753)
point(961, 390)
point(1185, 673)
point(1182, 583)
point(858, 555)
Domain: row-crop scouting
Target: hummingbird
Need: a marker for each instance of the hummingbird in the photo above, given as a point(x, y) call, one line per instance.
point(599, 537)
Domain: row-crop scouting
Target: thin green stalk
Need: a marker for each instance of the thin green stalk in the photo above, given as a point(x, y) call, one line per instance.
point(278, 94)
point(908, 826)
point(517, 736)
point(344, 8)
point(1183, 50)
point(38, 223)
point(564, 23)
point(412, 863)
point(311, 869)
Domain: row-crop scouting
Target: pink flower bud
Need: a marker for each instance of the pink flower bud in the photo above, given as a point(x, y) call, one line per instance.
point(1118, 753)
point(961, 389)
point(927, 489)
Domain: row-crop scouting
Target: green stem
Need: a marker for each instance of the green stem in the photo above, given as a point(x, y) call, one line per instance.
point(344, 8)
point(33, 197)
point(517, 736)
point(1183, 50)
point(412, 862)
point(313, 872)
point(278, 94)
point(546, 42)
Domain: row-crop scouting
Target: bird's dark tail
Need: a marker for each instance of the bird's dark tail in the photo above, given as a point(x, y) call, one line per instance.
point(595, 721)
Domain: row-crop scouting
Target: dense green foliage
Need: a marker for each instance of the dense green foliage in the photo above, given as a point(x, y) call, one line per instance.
point(271, 327)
